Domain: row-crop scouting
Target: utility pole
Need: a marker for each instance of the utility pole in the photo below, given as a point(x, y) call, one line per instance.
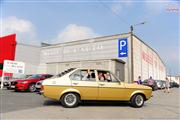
point(132, 57)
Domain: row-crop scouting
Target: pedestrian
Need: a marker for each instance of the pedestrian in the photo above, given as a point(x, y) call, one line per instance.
point(150, 81)
point(167, 85)
point(139, 81)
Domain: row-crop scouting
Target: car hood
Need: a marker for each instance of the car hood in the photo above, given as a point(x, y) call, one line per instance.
point(22, 80)
point(136, 86)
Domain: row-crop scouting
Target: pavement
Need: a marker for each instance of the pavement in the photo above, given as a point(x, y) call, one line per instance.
point(24, 105)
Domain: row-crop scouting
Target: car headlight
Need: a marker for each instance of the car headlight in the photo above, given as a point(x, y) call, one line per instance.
point(24, 82)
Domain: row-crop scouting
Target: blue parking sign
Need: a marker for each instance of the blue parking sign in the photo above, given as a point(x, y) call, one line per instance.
point(123, 47)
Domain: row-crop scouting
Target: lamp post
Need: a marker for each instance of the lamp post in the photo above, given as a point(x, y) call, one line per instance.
point(132, 59)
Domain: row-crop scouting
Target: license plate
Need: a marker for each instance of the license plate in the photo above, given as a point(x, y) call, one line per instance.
point(12, 86)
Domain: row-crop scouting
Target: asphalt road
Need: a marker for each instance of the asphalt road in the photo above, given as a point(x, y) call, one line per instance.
point(24, 105)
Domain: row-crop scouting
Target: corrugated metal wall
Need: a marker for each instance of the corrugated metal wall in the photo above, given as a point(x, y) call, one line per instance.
point(147, 62)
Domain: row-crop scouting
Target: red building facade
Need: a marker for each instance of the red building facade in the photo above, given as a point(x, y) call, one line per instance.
point(7, 49)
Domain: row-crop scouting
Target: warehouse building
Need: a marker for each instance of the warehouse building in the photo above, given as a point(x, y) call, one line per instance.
point(117, 53)
point(12, 50)
point(124, 54)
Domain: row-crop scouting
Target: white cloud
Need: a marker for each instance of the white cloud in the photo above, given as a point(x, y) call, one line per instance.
point(118, 6)
point(24, 29)
point(74, 32)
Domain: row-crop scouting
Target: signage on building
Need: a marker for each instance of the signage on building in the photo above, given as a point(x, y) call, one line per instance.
point(84, 48)
point(147, 57)
point(123, 47)
point(88, 48)
point(13, 67)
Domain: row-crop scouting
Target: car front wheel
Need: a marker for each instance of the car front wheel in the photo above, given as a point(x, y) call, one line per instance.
point(137, 101)
point(70, 100)
point(32, 88)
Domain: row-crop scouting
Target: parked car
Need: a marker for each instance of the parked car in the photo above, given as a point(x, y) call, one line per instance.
point(29, 83)
point(153, 85)
point(161, 84)
point(93, 84)
point(11, 84)
point(174, 84)
point(5, 81)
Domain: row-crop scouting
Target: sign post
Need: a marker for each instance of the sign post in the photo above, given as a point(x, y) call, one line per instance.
point(2, 79)
point(12, 67)
point(123, 51)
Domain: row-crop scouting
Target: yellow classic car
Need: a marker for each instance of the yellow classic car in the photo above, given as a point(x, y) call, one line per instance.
point(76, 84)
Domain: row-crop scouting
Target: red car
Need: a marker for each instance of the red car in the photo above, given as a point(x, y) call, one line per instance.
point(28, 84)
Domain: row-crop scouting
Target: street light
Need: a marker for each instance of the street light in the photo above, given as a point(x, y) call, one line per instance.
point(132, 60)
point(131, 27)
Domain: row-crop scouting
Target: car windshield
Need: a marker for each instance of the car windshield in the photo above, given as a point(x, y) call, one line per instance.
point(63, 73)
point(34, 76)
point(21, 76)
point(115, 76)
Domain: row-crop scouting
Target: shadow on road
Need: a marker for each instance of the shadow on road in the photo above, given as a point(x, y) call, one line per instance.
point(90, 103)
point(51, 103)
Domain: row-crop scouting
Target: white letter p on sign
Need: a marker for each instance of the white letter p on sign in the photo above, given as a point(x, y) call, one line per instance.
point(122, 44)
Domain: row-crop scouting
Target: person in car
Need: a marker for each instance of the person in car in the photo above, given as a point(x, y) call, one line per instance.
point(100, 76)
point(87, 75)
point(107, 77)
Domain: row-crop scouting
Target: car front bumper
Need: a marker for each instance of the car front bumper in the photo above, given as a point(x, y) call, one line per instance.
point(21, 87)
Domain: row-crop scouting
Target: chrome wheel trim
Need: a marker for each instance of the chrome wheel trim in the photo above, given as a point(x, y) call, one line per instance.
point(32, 88)
point(70, 99)
point(139, 100)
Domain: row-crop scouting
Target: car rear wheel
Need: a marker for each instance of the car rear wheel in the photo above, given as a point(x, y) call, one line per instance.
point(70, 100)
point(137, 101)
point(32, 88)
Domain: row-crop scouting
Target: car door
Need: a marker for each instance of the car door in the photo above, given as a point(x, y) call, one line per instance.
point(110, 88)
point(85, 82)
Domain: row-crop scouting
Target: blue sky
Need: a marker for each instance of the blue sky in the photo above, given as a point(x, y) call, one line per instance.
point(56, 21)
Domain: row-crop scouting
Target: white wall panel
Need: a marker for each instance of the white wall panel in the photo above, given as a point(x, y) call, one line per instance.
point(137, 58)
point(30, 55)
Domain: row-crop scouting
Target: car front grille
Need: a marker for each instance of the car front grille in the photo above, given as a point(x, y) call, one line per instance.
point(13, 83)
